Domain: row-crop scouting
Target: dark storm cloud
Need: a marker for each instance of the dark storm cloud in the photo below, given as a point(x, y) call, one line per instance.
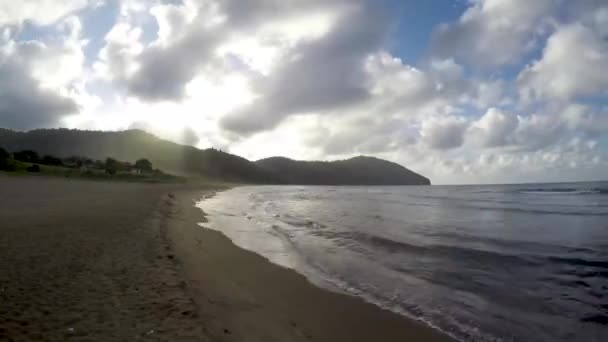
point(24, 104)
point(321, 74)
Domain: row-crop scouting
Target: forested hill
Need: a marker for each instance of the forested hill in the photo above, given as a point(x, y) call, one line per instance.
point(211, 163)
point(132, 145)
point(354, 171)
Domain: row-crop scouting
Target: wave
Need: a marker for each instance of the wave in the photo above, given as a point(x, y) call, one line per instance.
point(369, 243)
point(537, 248)
point(597, 319)
point(564, 191)
point(581, 262)
point(366, 243)
point(580, 211)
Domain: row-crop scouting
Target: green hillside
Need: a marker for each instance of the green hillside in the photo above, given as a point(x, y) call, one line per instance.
point(355, 171)
point(134, 144)
point(209, 163)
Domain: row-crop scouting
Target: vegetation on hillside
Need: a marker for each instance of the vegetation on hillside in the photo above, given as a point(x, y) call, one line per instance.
point(104, 150)
point(135, 144)
point(354, 171)
point(75, 166)
point(5, 160)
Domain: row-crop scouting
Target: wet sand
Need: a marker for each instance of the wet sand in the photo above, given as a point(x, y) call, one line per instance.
point(243, 297)
point(101, 261)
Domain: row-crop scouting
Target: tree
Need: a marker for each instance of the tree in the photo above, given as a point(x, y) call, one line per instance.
point(98, 164)
point(143, 165)
point(111, 166)
point(33, 168)
point(27, 156)
point(4, 159)
point(50, 160)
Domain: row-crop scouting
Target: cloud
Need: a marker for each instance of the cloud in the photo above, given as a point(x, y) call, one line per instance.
point(363, 135)
point(402, 85)
point(571, 66)
point(444, 133)
point(164, 71)
point(400, 96)
point(538, 131)
point(246, 15)
point(36, 78)
point(494, 128)
point(317, 75)
point(510, 89)
point(190, 39)
point(492, 33)
point(188, 36)
point(24, 104)
point(304, 82)
point(515, 133)
point(39, 12)
point(487, 94)
point(590, 121)
point(116, 59)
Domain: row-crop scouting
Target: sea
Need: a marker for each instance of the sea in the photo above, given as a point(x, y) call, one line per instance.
point(480, 263)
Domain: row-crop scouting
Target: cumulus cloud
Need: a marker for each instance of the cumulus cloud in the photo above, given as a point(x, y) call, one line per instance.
point(444, 133)
point(39, 12)
point(571, 66)
point(363, 135)
point(510, 89)
point(24, 104)
point(115, 62)
point(590, 121)
point(318, 74)
point(164, 72)
point(493, 33)
point(36, 77)
point(537, 131)
point(189, 37)
point(495, 128)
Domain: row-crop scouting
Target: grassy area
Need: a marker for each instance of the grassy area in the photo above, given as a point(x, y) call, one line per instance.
point(93, 174)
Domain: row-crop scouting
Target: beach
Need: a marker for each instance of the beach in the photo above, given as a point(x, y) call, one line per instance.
point(102, 261)
point(85, 260)
point(488, 263)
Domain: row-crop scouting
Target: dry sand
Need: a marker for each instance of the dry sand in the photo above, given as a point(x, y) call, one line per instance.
point(88, 261)
point(100, 261)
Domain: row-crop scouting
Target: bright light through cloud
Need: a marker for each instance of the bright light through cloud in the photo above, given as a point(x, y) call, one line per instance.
point(212, 99)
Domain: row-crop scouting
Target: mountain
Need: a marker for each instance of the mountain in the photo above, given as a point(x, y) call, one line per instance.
point(355, 171)
point(189, 161)
point(132, 145)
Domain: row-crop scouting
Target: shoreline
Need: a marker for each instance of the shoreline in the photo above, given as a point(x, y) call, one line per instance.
point(242, 296)
point(103, 261)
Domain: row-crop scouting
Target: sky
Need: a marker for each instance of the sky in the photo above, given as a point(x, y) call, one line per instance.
point(462, 91)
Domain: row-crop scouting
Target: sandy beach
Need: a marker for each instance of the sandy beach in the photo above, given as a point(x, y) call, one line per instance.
point(101, 261)
point(88, 261)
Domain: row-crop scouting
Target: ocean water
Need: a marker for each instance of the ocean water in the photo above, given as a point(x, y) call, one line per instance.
point(481, 263)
